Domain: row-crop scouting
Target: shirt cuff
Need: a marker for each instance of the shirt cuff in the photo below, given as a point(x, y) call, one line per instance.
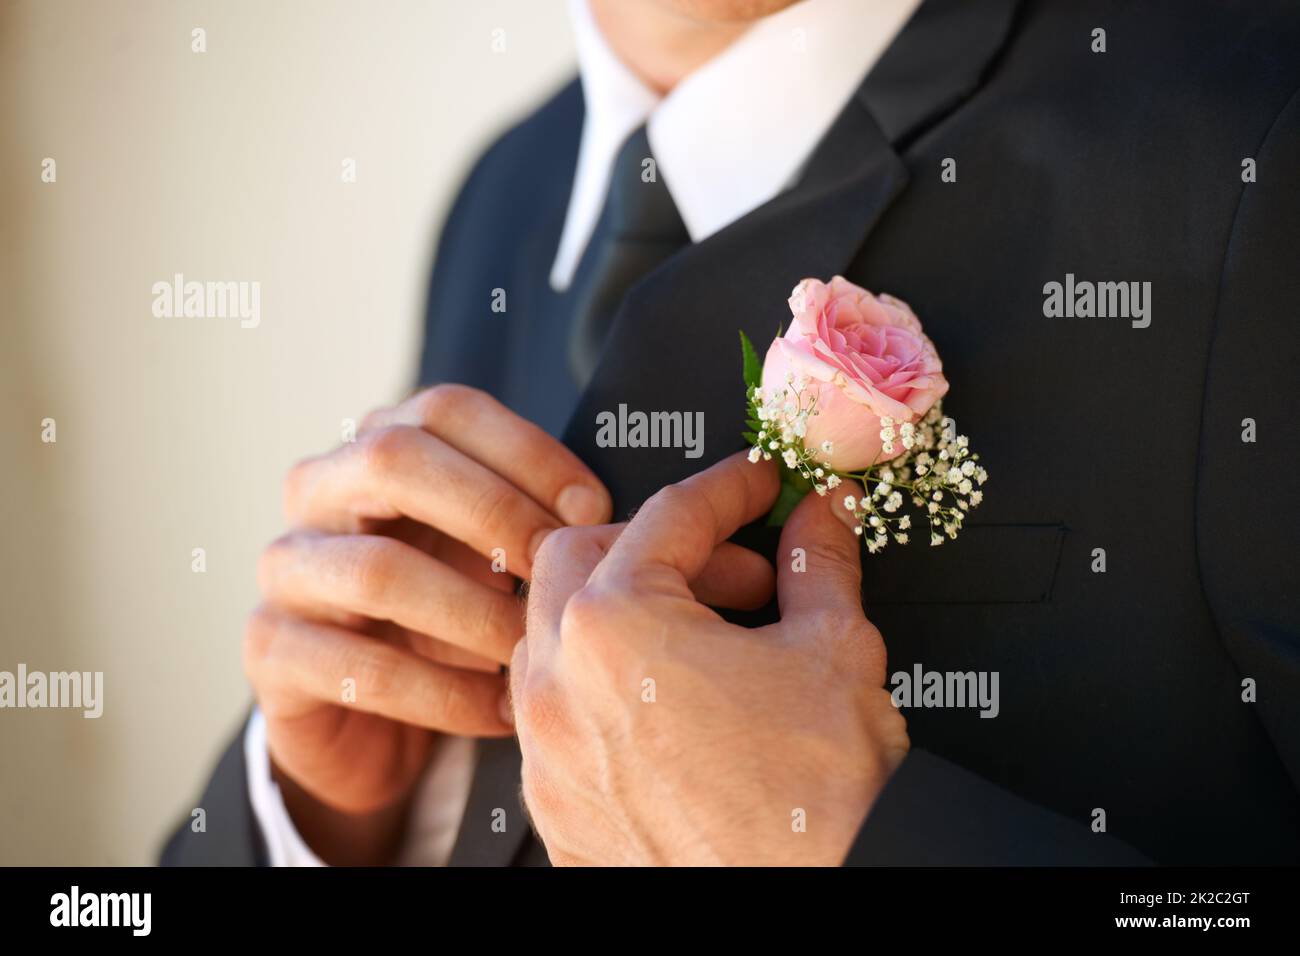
point(284, 846)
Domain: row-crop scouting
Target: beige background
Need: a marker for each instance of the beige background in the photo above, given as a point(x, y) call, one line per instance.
point(174, 433)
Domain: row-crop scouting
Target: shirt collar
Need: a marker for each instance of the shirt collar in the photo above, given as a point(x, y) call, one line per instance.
point(737, 131)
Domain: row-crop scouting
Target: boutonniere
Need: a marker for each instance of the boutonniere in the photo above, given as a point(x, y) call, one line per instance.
point(852, 396)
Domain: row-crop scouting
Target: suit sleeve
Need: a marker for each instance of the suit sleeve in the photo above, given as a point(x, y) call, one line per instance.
point(231, 836)
point(1248, 488)
point(935, 813)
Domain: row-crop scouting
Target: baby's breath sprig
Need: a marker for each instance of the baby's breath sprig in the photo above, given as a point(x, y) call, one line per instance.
point(782, 424)
point(937, 472)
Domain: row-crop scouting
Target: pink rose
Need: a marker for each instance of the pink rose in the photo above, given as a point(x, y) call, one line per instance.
point(865, 357)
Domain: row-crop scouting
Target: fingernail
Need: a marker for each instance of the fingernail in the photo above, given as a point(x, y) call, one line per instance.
point(507, 712)
point(536, 543)
point(579, 505)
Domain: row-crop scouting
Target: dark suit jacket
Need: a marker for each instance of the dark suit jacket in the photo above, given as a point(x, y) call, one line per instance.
point(1121, 690)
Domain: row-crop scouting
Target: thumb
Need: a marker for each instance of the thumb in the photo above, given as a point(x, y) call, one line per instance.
point(825, 574)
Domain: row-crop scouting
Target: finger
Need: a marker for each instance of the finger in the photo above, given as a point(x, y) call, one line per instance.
point(377, 418)
point(564, 565)
point(430, 648)
point(440, 652)
point(477, 425)
point(466, 561)
point(831, 579)
point(679, 527)
point(387, 580)
point(404, 471)
point(326, 663)
point(736, 578)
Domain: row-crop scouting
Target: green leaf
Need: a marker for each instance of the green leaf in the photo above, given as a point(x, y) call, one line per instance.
point(794, 487)
point(753, 368)
point(750, 437)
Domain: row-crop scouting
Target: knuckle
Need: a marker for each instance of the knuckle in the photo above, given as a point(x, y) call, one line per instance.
point(536, 790)
point(373, 568)
point(375, 673)
point(855, 631)
point(587, 613)
point(460, 707)
point(827, 623)
point(850, 635)
point(889, 730)
point(494, 507)
point(868, 633)
point(826, 557)
point(500, 621)
point(896, 730)
point(861, 648)
point(446, 402)
point(672, 498)
point(683, 506)
point(518, 665)
point(295, 484)
point(373, 419)
point(259, 636)
point(557, 550)
point(594, 627)
point(870, 645)
point(272, 559)
point(385, 449)
point(537, 707)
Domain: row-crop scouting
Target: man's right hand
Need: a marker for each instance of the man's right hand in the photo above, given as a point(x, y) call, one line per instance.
point(383, 621)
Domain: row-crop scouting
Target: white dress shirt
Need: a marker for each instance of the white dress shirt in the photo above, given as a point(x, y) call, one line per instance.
point(726, 139)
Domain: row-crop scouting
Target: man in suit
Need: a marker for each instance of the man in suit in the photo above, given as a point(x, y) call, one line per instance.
point(1127, 578)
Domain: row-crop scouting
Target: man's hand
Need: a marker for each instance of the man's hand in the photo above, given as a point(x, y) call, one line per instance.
point(383, 620)
point(653, 732)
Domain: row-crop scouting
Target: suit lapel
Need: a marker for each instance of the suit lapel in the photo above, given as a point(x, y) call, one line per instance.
point(937, 60)
point(674, 346)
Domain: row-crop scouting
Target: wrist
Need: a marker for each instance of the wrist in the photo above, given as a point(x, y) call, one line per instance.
point(342, 837)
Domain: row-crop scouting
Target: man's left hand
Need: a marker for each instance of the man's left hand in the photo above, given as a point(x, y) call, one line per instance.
point(654, 732)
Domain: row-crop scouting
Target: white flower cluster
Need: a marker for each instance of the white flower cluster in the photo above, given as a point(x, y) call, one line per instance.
point(937, 471)
point(782, 419)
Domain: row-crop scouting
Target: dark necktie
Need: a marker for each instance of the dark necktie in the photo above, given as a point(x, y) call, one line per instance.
point(638, 229)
